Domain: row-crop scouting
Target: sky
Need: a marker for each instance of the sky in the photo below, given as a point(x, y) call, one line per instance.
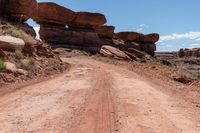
point(177, 21)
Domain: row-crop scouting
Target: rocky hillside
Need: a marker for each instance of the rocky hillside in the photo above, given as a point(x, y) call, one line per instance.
point(61, 27)
point(22, 57)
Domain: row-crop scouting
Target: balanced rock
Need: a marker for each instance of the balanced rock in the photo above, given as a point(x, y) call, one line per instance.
point(150, 38)
point(18, 10)
point(52, 13)
point(88, 19)
point(129, 36)
point(11, 43)
point(105, 31)
point(109, 51)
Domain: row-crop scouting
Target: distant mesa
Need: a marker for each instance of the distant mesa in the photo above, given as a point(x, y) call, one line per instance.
point(195, 52)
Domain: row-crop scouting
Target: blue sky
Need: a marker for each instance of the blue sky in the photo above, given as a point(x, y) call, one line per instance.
point(177, 21)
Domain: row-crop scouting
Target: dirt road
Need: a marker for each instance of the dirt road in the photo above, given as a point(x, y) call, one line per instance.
point(95, 97)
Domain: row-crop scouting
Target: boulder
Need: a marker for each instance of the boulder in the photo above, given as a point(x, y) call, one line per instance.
point(88, 19)
point(11, 68)
point(18, 10)
point(105, 31)
point(109, 51)
point(11, 43)
point(52, 13)
point(150, 38)
point(132, 56)
point(182, 79)
point(129, 36)
point(136, 52)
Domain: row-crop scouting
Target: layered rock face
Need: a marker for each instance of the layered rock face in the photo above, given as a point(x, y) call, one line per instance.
point(62, 27)
point(87, 19)
point(105, 31)
point(18, 10)
point(195, 52)
point(139, 41)
point(81, 32)
point(51, 13)
point(65, 37)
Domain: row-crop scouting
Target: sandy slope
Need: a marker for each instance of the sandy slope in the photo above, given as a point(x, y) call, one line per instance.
point(95, 97)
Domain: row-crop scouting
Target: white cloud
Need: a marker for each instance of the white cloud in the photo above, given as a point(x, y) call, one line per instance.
point(141, 27)
point(175, 36)
point(37, 29)
point(198, 39)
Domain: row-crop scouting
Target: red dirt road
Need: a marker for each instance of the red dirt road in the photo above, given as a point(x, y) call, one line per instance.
point(95, 97)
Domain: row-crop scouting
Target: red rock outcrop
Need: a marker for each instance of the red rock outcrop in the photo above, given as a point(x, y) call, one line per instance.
point(87, 19)
point(64, 37)
point(129, 36)
point(52, 13)
point(195, 52)
point(18, 10)
point(150, 38)
point(149, 48)
point(105, 31)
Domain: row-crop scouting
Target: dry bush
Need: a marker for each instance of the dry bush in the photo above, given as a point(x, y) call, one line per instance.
point(2, 66)
point(19, 55)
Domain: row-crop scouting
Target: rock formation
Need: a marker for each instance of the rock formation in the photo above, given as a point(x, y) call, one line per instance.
point(18, 10)
point(109, 51)
point(11, 43)
point(88, 20)
point(129, 36)
point(195, 52)
point(139, 41)
point(80, 33)
point(51, 13)
point(105, 31)
point(62, 27)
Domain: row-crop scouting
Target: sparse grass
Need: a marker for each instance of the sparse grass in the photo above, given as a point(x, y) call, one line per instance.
point(15, 32)
point(2, 66)
point(19, 55)
point(28, 65)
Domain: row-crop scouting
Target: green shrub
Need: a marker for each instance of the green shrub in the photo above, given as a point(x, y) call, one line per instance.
point(18, 33)
point(28, 65)
point(2, 66)
point(15, 32)
point(19, 55)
